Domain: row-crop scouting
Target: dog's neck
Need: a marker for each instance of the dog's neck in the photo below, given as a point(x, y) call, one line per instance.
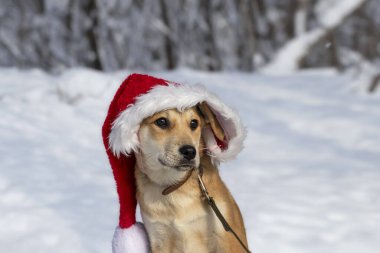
point(173, 187)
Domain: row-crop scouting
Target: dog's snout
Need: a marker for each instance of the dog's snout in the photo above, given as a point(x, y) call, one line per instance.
point(188, 152)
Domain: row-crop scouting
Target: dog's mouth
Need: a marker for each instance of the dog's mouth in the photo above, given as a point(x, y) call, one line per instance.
point(180, 165)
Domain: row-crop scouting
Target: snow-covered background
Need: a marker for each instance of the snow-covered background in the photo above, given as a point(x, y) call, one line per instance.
point(307, 181)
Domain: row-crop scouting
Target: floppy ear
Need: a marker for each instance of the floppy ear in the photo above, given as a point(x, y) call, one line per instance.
point(211, 120)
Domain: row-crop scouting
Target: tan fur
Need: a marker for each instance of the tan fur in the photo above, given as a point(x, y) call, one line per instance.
point(182, 221)
point(211, 120)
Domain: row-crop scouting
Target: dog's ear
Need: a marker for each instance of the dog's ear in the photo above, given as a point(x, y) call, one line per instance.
point(211, 120)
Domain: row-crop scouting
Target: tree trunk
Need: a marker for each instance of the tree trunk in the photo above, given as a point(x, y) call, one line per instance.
point(333, 52)
point(90, 8)
point(168, 42)
point(300, 17)
point(246, 47)
point(374, 84)
point(214, 62)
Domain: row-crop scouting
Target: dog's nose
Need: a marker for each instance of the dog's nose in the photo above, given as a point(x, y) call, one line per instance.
point(188, 152)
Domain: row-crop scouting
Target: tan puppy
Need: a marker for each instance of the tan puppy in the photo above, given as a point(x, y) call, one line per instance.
point(172, 145)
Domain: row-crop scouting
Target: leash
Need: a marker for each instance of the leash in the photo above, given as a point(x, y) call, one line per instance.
point(210, 202)
point(214, 207)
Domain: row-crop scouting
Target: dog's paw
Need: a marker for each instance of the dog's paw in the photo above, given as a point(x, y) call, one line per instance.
point(130, 240)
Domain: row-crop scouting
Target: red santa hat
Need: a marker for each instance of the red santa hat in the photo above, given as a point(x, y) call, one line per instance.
point(139, 97)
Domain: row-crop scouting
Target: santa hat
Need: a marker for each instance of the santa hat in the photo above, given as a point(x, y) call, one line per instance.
point(139, 97)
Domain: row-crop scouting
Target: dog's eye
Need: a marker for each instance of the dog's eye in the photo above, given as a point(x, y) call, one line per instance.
point(162, 123)
point(193, 124)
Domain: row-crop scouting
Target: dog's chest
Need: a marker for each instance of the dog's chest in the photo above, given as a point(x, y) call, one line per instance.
point(182, 219)
point(177, 208)
point(184, 225)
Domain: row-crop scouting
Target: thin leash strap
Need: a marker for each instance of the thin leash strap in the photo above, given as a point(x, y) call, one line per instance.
point(214, 207)
point(177, 185)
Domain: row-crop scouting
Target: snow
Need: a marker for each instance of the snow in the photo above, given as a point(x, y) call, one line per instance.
point(330, 14)
point(287, 59)
point(307, 181)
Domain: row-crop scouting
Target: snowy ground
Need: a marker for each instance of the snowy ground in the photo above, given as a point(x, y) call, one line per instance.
point(308, 180)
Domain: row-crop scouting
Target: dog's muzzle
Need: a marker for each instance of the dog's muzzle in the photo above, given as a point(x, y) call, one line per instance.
point(182, 165)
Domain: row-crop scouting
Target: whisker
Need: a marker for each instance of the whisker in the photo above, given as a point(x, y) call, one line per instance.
point(210, 154)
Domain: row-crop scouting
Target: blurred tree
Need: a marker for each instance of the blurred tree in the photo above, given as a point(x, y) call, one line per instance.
point(210, 35)
point(169, 42)
point(211, 50)
point(246, 47)
point(294, 53)
point(90, 9)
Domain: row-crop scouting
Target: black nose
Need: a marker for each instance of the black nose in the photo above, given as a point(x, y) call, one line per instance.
point(188, 152)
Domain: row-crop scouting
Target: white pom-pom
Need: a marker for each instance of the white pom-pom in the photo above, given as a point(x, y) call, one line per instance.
point(130, 240)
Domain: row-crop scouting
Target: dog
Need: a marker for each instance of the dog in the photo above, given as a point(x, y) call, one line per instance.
point(171, 146)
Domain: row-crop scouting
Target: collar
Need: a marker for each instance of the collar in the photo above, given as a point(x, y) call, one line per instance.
point(173, 187)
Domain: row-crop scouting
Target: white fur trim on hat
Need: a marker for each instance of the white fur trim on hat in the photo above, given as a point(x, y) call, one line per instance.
point(130, 240)
point(123, 137)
